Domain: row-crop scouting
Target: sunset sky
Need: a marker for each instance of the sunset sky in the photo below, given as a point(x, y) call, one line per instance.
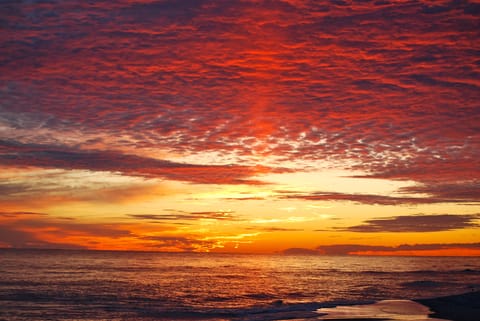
point(297, 126)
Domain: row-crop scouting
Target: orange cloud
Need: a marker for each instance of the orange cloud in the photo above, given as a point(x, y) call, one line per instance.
point(453, 249)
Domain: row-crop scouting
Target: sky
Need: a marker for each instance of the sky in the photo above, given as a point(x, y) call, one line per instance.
point(245, 126)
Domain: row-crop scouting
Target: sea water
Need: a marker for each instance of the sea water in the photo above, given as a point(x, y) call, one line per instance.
point(107, 285)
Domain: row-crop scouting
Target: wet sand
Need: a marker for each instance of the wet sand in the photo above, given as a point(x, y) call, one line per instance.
point(379, 311)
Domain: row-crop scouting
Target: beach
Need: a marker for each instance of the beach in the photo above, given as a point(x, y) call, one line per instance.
point(463, 307)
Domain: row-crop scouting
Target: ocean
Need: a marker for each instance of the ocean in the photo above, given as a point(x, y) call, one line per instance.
point(108, 285)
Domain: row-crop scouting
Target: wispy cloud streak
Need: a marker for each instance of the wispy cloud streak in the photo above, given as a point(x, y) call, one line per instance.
point(46, 156)
point(468, 195)
point(186, 216)
point(418, 223)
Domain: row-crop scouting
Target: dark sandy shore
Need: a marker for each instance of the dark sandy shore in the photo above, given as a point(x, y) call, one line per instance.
point(463, 307)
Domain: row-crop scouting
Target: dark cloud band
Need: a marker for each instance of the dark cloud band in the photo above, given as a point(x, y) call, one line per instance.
point(418, 223)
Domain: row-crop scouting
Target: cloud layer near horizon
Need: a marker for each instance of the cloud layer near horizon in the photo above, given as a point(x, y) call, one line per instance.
point(40, 230)
point(356, 249)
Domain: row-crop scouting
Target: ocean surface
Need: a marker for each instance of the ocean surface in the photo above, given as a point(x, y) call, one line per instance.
point(104, 285)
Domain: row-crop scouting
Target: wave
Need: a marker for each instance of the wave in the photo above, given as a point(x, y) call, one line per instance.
point(112, 305)
point(425, 284)
point(276, 310)
point(428, 272)
point(260, 296)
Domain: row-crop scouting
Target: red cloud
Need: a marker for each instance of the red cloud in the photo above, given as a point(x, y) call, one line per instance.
point(390, 87)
